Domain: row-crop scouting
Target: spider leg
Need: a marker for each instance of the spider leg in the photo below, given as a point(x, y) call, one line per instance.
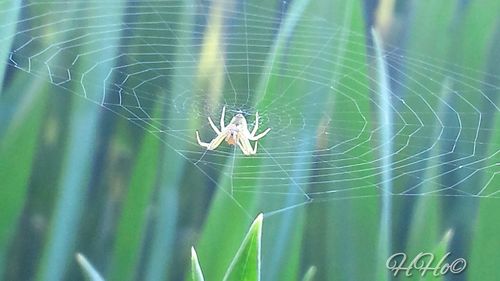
point(256, 126)
point(259, 136)
point(217, 141)
point(246, 147)
point(213, 125)
point(222, 118)
point(204, 144)
point(254, 148)
point(243, 148)
point(214, 143)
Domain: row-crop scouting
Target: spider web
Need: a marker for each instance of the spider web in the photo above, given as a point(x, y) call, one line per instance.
point(319, 95)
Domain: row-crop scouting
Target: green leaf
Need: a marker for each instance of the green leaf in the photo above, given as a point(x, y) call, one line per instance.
point(133, 221)
point(17, 153)
point(246, 263)
point(172, 164)
point(310, 273)
point(278, 49)
point(342, 240)
point(484, 254)
point(196, 274)
point(89, 271)
point(78, 155)
point(425, 223)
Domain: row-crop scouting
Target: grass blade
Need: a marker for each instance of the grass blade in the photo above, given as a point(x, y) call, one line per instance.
point(246, 263)
point(17, 153)
point(385, 118)
point(172, 165)
point(484, 245)
point(424, 222)
point(134, 217)
point(78, 157)
point(310, 273)
point(90, 272)
point(196, 274)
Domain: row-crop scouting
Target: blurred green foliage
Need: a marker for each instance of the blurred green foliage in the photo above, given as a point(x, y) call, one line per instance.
point(77, 178)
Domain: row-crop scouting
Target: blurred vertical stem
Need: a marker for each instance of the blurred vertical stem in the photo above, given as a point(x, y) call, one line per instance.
point(89, 271)
point(172, 163)
point(79, 152)
point(424, 225)
point(484, 246)
point(385, 120)
point(284, 233)
point(17, 151)
point(345, 256)
point(460, 213)
point(133, 221)
point(9, 13)
point(284, 34)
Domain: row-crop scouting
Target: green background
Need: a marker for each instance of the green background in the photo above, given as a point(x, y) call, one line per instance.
point(76, 177)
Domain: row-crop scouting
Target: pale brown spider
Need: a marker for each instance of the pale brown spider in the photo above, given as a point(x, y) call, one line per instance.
point(235, 133)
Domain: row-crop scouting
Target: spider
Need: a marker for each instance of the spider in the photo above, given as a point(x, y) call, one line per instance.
point(236, 133)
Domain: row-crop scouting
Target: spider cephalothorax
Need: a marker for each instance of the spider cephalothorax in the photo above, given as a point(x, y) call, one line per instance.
point(236, 133)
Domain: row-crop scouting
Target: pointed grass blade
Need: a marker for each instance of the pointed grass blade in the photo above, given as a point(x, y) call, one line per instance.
point(89, 271)
point(246, 263)
point(196, 273)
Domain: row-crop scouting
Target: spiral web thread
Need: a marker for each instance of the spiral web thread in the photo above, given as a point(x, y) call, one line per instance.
point(439, 126)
